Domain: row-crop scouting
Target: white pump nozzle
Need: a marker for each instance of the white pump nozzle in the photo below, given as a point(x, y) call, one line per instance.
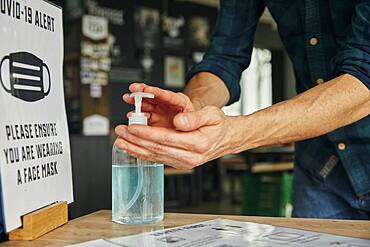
point(138, 117)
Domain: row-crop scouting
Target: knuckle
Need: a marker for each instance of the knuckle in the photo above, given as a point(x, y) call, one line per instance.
point(203, 146)
point(165, 139)
point(182, 95)
point(199, 160)
point(150, 89)
point(210, 108)
point(197, 119)
point(196, 161)
point(185, 99)
point(157, 148)
point(215, 111)
point(152, 157)
point(188, 165)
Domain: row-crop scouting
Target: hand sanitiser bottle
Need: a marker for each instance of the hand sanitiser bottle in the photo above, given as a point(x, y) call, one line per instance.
point(137, 185)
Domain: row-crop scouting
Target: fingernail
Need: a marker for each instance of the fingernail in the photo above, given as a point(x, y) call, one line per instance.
point(121, 131)
point(118, 131)
point(184, 121)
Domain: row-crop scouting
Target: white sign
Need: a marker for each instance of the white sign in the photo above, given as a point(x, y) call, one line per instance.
point(95, 28)
point(96, 125)
point(217, 233)
point(35, 165)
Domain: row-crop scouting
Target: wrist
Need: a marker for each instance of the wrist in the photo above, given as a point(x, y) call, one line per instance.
point(234, 134)
point(242, 134)
point(207, 89)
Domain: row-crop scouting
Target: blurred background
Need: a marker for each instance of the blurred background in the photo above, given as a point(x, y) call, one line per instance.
point(110, 44)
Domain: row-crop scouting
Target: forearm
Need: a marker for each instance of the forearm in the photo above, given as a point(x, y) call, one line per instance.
point(207, 89)
point(322, 109)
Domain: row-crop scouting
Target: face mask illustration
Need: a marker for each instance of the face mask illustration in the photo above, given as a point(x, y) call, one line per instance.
point(26, 77)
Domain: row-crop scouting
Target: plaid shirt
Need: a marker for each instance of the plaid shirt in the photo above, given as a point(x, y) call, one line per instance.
point(324, 39)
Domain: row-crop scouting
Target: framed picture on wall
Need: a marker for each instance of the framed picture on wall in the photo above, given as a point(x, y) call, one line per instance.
point(172, 28)
point(199, 31)
point(147, 27)
point(174, 72)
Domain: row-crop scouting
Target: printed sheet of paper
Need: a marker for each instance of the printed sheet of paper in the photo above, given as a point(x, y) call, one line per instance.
point(228, 233)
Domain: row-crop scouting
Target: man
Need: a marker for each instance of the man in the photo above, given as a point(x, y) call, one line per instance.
point(329, 44)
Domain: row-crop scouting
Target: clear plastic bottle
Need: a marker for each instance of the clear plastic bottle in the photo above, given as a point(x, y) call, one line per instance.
point(137, 185)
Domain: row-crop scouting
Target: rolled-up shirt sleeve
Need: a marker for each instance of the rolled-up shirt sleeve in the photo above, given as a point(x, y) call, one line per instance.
point(229, 53)
point(354, 58)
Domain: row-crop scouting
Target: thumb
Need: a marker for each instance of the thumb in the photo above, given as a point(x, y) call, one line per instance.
point(189, 121)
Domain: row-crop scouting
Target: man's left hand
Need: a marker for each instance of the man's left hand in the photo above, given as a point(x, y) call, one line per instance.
point(206, 134)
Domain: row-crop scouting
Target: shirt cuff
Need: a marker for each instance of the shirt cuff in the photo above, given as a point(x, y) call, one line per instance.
point(231, 81)
point(356, 64)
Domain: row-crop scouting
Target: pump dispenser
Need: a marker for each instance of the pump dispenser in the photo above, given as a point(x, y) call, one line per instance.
point(137, 185)
point(138, 117)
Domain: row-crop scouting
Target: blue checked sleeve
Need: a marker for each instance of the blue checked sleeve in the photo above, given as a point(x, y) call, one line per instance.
point(229, 53)
point(354, 58)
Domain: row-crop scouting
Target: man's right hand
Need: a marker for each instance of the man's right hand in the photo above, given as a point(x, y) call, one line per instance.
point(161, 110)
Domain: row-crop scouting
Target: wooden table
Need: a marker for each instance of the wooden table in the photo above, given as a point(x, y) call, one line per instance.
point(98, 225)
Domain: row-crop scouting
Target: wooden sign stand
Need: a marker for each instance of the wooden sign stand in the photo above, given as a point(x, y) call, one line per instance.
point(40, 222)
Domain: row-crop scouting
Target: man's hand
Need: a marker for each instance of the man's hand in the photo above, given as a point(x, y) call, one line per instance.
point(178, 135)
point(205, 135)
point(163, 108)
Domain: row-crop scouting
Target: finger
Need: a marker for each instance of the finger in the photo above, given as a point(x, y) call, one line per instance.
point(165, 136)
point(154, 147)
point(137, 87)
point(143, 154)
point(126, 98)
point(156, 118)
point(153, 118)
point(146, 114)
point(145, 105)
point(176, 155)
point(168, 97)
point(132, 149)
point(161, 95)
point(131, 100)
point(189, 121)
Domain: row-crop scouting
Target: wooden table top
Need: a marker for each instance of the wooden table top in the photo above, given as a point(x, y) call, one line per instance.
point(98, 225)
